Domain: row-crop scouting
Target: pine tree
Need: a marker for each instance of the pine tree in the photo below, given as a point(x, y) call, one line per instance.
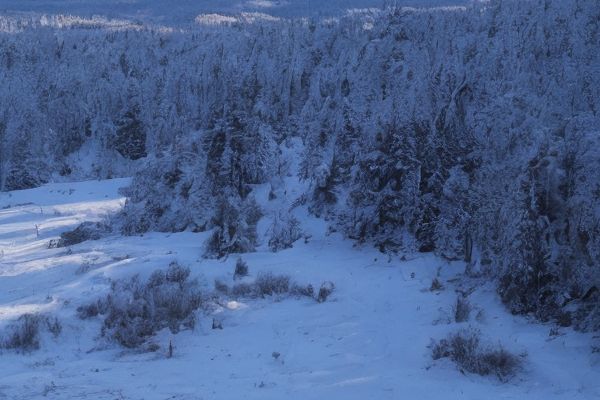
point(130, 136)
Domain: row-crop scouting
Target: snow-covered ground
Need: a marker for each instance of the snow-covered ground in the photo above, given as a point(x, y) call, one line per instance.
point(369, 341)
point(168, 11)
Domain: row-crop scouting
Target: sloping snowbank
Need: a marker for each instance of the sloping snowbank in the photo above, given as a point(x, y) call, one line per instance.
point(368, 341)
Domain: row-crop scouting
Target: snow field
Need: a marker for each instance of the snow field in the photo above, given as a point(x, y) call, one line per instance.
point(369, 340)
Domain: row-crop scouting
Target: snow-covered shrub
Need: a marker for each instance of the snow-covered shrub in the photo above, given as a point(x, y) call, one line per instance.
point(175, 274)
point(241, 269)
point(436, 285)
point(244, 289)
point(92, 309)
point(461, 309)
point(24, 334)
point(83, 232)
point(302, 290)
point(461, 346)
point(268, 284)
point(284, 231)
point(325, 291)
point(134, 310)
point(54, 326)
point(221, 286)
point(465, 349)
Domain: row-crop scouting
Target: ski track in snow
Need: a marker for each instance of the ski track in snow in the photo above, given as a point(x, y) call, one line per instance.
point(369, 341)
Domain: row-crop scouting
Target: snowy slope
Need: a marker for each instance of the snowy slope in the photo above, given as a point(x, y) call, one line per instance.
point(369, 341)
point(185, 10)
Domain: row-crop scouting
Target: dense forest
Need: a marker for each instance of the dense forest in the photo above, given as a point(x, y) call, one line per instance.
point(472, 132)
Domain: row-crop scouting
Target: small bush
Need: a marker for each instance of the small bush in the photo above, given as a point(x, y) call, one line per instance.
point(499, 362)
point(24, 334)
point(83, 268)
point(134, 311)
point(244, 290)
point(92, 310)
point(464, 346)
point(436, 285)
point(54, 326)
point(462, 309)
point(480, 316)
point(465, 350)
point(241, 269)
point(221, 286)
point(440, 349)
point(324, 291)
point(268, 284)
point(176, 273)
point(85, 231)
point(299, 290)
point(152, 347)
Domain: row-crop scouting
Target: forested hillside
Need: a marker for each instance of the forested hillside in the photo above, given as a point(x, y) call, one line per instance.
point(469, 132)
